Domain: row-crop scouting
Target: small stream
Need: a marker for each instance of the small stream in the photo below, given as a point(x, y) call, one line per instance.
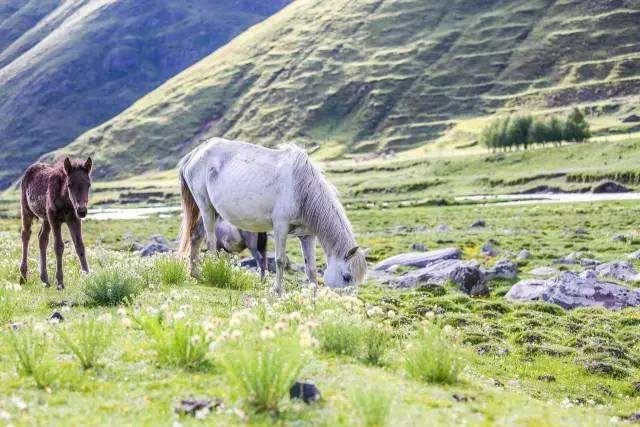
point(547, 198)
point(104, 214)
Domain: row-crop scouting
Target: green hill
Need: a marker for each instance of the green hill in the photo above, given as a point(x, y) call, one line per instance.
point(69, 65)
point(384, 74)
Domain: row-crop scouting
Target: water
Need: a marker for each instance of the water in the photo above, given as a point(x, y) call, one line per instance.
point(547, 198)
point(104, 214)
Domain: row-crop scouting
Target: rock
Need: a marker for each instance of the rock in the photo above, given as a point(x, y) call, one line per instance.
point(619, 238)
point(589, 275)
point(479, 224)
point(443, 228)
point(489, 249)
point(570, 290)
point(580, 231)
point(634, 118)
point(465, 274)
point(547, 378)
point(463, 398)
point(250, 262)
point(417, 259)
point(544, 271)
point(523, 254)
point(572, 258)
point(156, 238)
point(198, 407)
point(634, 255)
point(588, 262)
point(503, 269)
point(306, 391)
point(618, 270)
point(56, 317)
point(154, 248)
point(609, 187)
point(418, 247)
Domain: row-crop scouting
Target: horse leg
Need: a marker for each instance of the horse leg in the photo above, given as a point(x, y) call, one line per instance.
point(209, 219)
point(196, 241)
point(257, 245)
point(262, 250)
point(27, 221)
point(75, 229)
point(280, 232)
point(308, 245)
point(58, 245)
point(43, 240)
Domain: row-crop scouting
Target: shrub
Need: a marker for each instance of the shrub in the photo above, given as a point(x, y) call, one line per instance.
point(372, 406)
point(111, 286)
point(262, 366)
point(576, 127)
point(171, 270)
point(340, 335)
point(219, 271)
point(177, 341)
point(89, 341)
point(376, 340)
point(30, 346)
point(8, 304)
point(432, 358)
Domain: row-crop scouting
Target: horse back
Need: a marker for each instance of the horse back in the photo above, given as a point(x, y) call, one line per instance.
point(35, 185)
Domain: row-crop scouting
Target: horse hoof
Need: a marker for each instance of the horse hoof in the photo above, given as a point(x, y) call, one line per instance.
point(60, 287)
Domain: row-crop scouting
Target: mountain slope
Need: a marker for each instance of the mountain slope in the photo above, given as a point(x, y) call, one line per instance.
point(69, 65)
point(373, 74)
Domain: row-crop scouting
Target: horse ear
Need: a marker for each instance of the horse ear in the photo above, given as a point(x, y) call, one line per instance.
point(88, 164)
point(67, 165)
point(351, 253)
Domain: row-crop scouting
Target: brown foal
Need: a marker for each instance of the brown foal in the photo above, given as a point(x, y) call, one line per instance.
point(55, 194)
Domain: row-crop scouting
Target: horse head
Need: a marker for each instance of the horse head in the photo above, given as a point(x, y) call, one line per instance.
point(78, 182)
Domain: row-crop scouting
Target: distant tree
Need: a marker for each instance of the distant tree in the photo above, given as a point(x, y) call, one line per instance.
point(539, 132)
point(555, 130)
point(576, 127)
point(518, 131)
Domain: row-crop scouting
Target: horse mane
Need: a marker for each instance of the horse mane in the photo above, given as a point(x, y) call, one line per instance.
point(322, 212)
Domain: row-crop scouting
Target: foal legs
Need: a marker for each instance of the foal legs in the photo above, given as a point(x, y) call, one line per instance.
point(58, 245)
point(75, 229)
point(27, 221)
point(43, 239)
point(308, 244)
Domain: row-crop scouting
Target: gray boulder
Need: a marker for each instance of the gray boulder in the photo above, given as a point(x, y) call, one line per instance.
point(634, 255)
point(523, 254)
point(570, 290)
point(479, 224)
point(489, 249)
point(154, 248)
point(465, 274)
point(618, 270)
point(417, 259)
point(250, 262)
point(418, 247)
point(503, 269)
point(544, 272)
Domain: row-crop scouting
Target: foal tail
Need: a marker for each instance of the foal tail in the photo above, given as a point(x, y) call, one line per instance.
point(190, 216)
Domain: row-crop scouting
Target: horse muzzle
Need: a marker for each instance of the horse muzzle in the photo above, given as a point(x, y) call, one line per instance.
point(82, 212)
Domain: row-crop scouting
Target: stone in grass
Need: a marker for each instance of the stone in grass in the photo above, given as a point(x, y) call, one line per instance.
point(489, 249)
point(198, 407)
point(466, 274)
point(634, 255)
point(418, 247)
point(154, 248)
point(570, 290)
point(418, 259)
point(547, 378)
point(523, 254)
point(503, 269)
point(618, 270)
point(56, 317)
point(544, 272)
point(306, 391)
point(479, 224)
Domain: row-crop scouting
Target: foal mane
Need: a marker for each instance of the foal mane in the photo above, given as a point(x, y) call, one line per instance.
point(322, 212)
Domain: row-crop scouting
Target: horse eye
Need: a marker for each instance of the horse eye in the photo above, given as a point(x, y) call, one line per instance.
point(346, 278)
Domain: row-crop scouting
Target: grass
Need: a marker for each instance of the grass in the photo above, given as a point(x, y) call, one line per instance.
point(111, 286)
point(376, 342)
point(432, 358)
point(30, 346)
point(373, 406)
point(221, 272)
point(171, 270)
point(340, 335)
point(89, 340)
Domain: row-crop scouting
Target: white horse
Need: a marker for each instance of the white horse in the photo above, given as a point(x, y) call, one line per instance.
point(260, 189)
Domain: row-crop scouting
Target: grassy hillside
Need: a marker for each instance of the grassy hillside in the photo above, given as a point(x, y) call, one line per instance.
point(67, 66)
point(371, 75)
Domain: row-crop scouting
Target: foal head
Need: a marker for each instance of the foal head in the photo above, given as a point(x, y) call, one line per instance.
point(78, 181)
point(349, 270)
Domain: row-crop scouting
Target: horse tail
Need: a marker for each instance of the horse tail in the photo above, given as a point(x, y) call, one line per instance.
point(190, 217)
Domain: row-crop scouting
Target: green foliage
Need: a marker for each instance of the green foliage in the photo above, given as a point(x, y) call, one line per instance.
point(262, 365)
point(432, 358)
point(111, 286)
point(522, 131)
point(220, 271)
point(30, 345)
point(89, 340)
point(376, 341)
point(340, 335)
point(176, 340)
point(8, 304)
point(171, 270)
point(373, 406)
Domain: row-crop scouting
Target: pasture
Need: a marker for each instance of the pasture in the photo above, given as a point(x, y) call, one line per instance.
point(489, 361)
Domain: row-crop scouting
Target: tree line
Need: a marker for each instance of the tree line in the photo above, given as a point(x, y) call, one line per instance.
point(525, 130)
